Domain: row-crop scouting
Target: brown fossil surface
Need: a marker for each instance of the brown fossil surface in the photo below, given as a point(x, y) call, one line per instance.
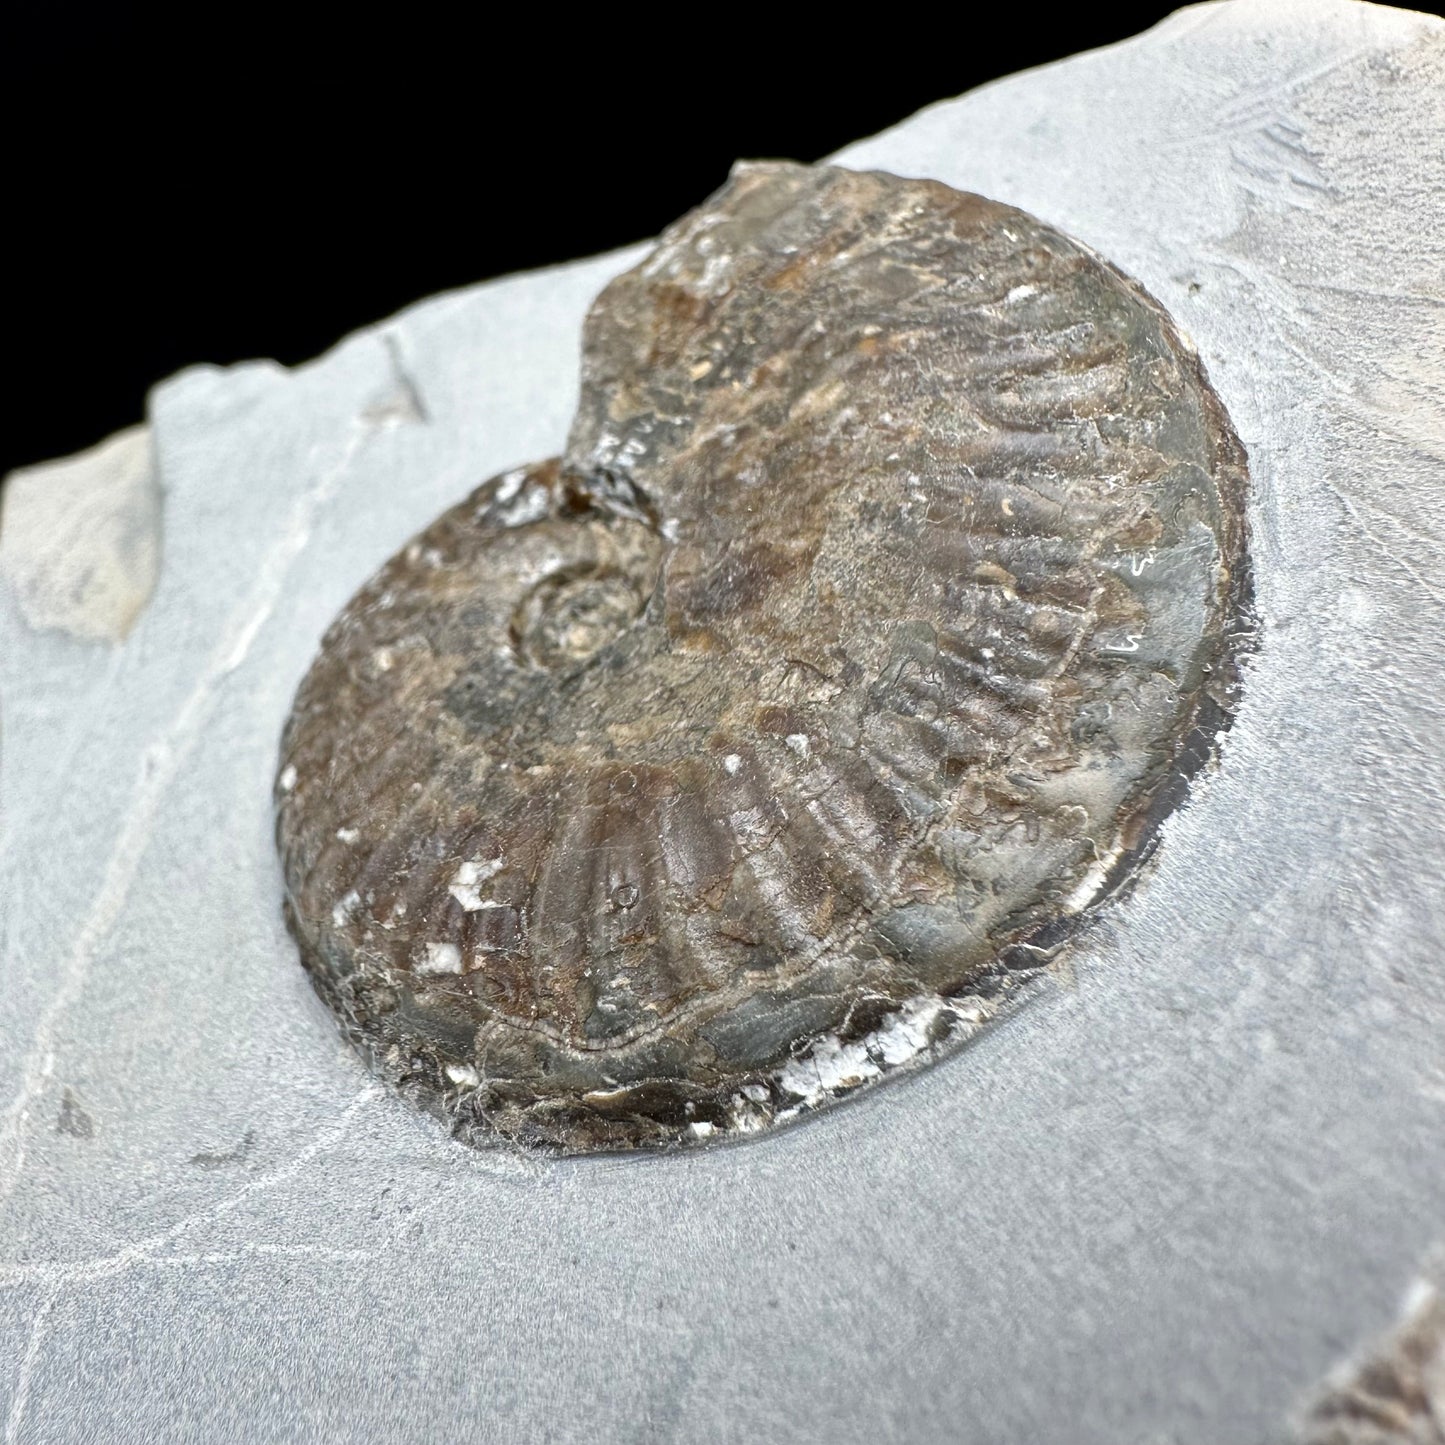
point(770, 739)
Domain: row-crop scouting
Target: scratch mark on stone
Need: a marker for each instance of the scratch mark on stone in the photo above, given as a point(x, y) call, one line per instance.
point(1386, 550)
point(253, 1251)
point(207, 1159)
point(143, 1251)
point(160, 764)
point(403, 402)
point(1284, 303)
point(1256, 109)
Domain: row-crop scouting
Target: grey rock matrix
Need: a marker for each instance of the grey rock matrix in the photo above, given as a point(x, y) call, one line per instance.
point(1188, 1195)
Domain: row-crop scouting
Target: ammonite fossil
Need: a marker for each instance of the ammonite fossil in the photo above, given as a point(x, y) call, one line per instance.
point(770, 739)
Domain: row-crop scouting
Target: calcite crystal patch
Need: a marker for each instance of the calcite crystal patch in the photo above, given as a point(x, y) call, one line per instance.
point(773, 737)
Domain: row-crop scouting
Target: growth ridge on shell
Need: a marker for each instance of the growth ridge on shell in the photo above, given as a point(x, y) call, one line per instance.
point(772, 738)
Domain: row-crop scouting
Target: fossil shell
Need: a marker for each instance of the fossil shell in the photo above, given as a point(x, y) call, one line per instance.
point(770, 739)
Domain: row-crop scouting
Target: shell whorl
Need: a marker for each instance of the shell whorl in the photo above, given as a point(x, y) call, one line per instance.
point(860, 631)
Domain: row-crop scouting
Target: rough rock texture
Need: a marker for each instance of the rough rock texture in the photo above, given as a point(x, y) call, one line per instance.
point(1394, 1392)
point(1159, 1205)
point(80, 538)
point(774, 737)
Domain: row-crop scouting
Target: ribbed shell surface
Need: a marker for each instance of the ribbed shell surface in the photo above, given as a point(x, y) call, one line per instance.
point(768, 740)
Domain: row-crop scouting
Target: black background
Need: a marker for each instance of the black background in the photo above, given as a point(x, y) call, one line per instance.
point(211, 185)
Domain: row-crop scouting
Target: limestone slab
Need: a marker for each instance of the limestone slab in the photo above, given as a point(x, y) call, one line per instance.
point(1160, 1204)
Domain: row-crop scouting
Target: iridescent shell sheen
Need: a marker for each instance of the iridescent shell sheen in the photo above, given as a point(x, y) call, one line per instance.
point(774, 736)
